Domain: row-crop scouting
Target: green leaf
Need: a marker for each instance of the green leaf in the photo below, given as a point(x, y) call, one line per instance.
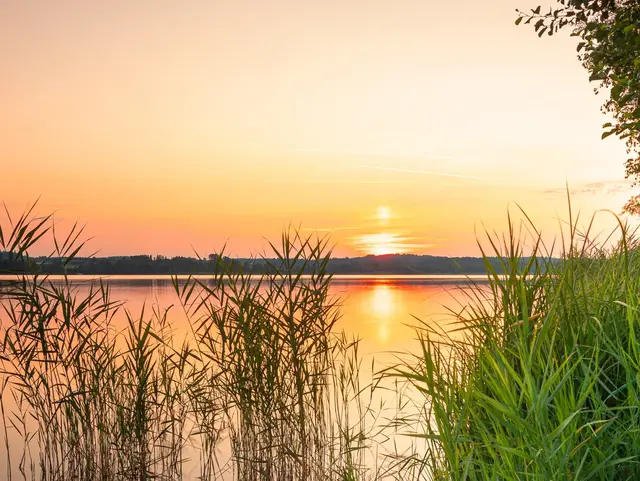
point(519, 20)
point(608, 133)
point(616, 91)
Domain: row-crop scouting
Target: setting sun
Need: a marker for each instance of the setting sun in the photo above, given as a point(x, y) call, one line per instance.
point(381, 244)
point(384, 214)
point(382, 250)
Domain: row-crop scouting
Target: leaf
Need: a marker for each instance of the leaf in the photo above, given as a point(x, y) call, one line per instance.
point(608, 133)
point(616, 91)
point(519, 20)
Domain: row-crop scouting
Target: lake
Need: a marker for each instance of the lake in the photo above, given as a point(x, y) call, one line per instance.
point(379, 310)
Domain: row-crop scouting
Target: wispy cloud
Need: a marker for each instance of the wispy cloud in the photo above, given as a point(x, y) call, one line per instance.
point(384, 155)
point(330, 229)
point(333, 181)
point(420, 172)
point(383, 182)
point(593, 188)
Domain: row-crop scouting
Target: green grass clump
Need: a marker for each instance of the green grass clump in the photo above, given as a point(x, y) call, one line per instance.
point(540, 379)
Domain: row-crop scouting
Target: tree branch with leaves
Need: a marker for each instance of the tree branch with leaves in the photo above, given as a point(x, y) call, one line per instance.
point(609, 48)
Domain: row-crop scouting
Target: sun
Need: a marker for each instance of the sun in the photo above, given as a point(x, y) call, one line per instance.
point(384, 214)
point(380, 244)
point(381, 250)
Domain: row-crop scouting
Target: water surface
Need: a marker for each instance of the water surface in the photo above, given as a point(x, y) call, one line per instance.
point(379, 310)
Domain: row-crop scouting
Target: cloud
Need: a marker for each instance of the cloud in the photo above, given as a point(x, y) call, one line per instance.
point(385, 155)
point(420, 172)
point(329, 229)
point(383, 182)
point(593, 188)
point(394, 156)
point(333, 181)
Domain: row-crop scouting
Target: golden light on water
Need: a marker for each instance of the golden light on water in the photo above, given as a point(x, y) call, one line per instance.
point(382, 300)
point(382, 304)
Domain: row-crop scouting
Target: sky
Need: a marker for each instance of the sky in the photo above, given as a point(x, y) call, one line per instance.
point(407, 126)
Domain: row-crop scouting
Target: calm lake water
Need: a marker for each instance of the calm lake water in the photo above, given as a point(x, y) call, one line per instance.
point(380, 310)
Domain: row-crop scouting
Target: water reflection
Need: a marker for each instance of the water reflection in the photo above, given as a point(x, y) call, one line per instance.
point(379, 310)
point(382, 307)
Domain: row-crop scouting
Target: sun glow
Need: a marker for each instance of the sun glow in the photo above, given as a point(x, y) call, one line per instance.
point(382, 250)
point(381, 244)
point(384, 214)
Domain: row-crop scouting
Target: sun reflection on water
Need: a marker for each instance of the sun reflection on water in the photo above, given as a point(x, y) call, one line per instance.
point(383, 307)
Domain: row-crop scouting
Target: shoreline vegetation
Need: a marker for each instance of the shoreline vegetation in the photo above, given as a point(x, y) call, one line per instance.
point(539, 378)
point(389, 264)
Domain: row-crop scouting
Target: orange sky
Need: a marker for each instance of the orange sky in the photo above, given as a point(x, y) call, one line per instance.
point(399, 126)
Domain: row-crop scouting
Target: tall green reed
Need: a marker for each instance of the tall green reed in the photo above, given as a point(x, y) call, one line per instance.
point(262, 380)
point(540, 378)
point(273, 368)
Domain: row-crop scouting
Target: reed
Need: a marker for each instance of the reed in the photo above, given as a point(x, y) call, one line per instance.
point(272, 369)
point(539, 380)
point(261, 389)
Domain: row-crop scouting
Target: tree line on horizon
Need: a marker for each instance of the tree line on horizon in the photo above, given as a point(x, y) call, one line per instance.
point(407, 264)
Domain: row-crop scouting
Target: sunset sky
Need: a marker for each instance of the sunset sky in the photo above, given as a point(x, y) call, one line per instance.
point(398, 126)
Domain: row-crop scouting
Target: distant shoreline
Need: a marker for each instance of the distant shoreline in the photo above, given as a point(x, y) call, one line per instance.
point(337, 279)
point(146, 265)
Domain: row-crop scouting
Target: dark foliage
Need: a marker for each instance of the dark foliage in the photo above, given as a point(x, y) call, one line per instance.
point(406, 264)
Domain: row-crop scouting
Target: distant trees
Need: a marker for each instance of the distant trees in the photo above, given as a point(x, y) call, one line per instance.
point(609, 48)
point(11, 262)
point(406, 264)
